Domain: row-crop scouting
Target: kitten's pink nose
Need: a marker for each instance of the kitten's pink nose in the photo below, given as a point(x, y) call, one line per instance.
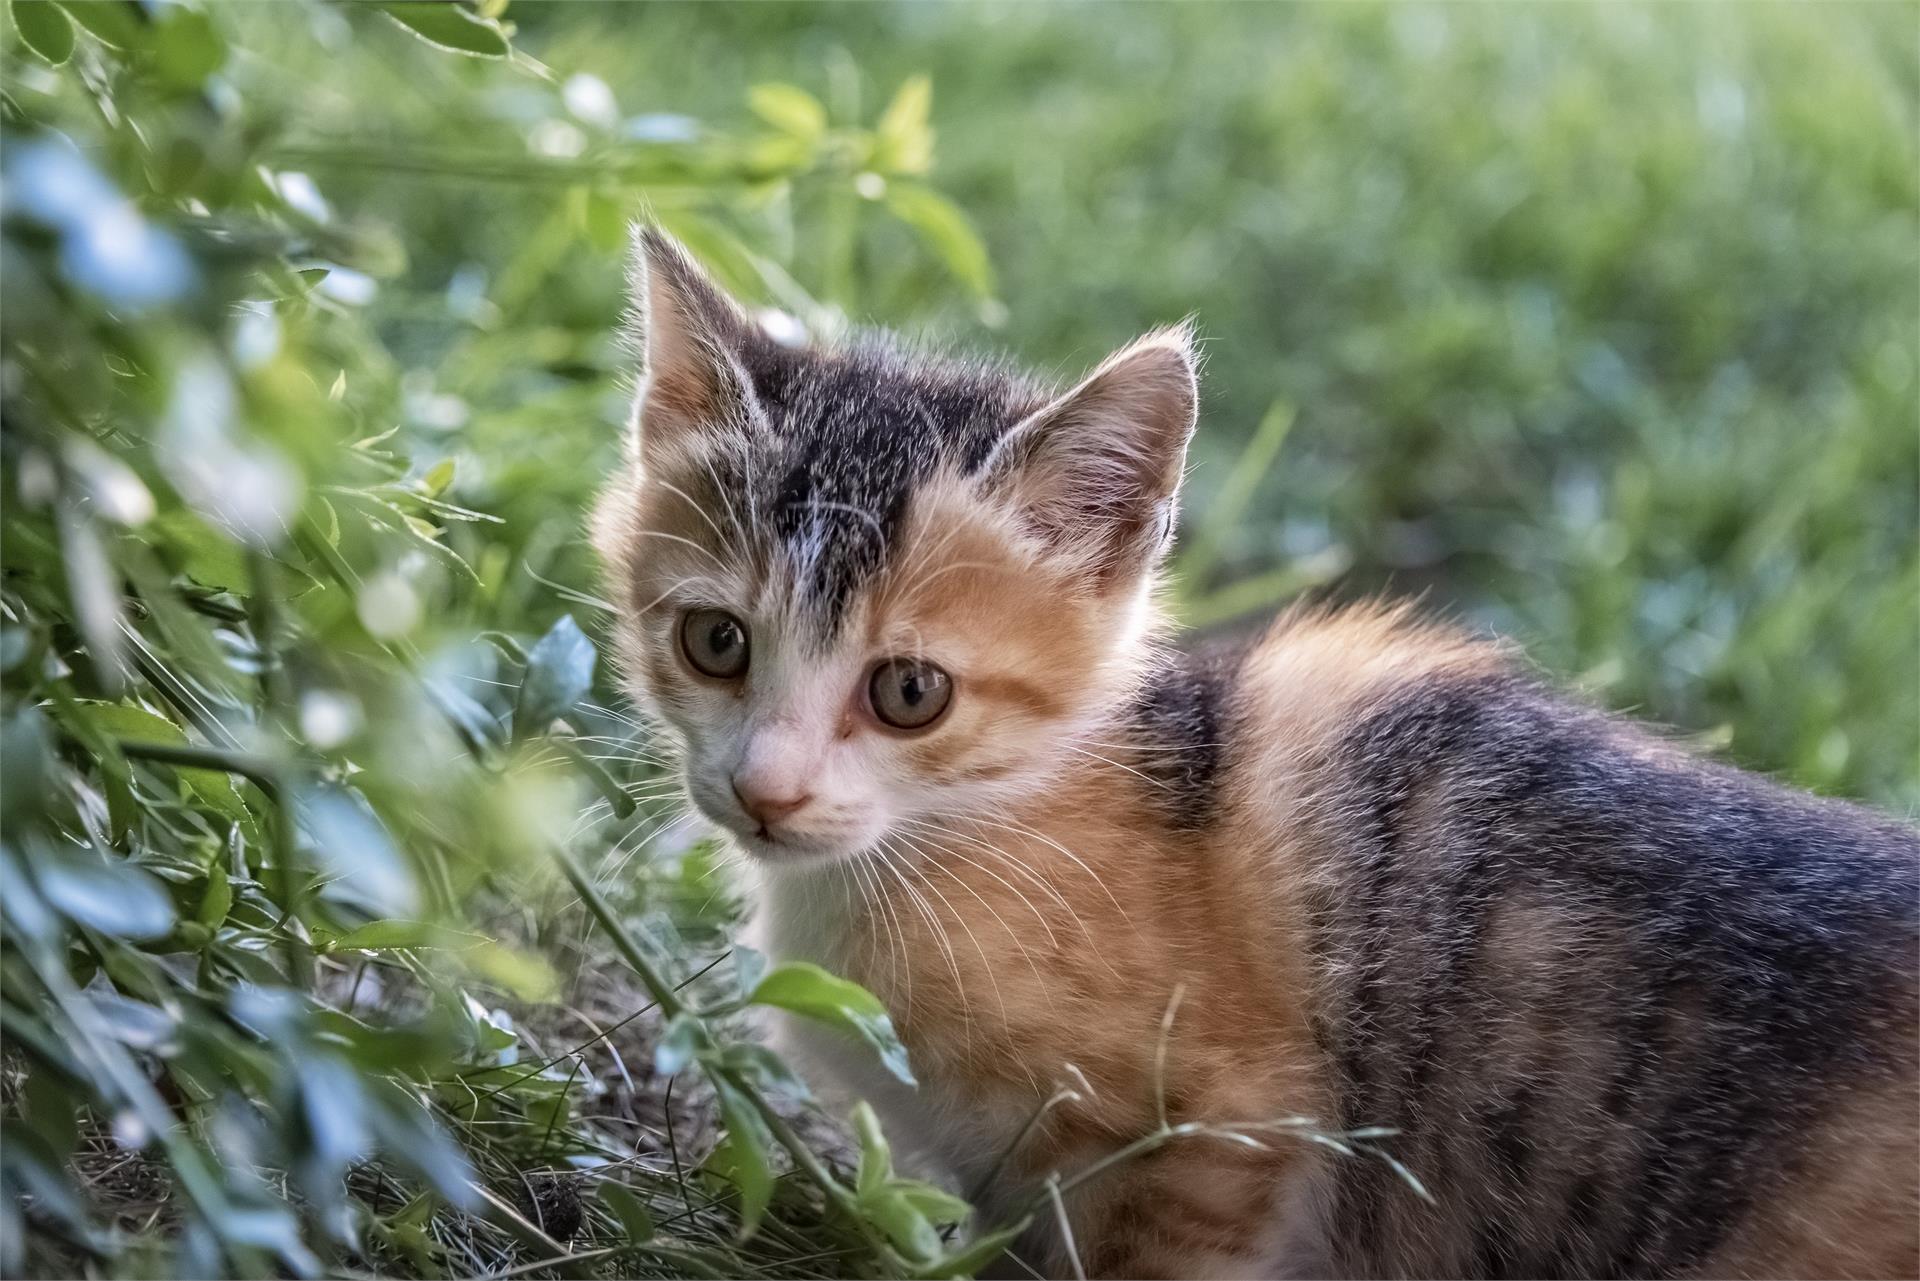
point(765, 807)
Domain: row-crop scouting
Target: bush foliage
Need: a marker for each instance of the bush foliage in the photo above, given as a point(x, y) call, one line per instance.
point(352, 925)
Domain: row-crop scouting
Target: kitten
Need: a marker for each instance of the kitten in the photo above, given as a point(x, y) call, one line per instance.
point(1628, 1012)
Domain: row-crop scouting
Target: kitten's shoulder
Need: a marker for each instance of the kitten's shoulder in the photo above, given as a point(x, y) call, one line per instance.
point(1319, 669)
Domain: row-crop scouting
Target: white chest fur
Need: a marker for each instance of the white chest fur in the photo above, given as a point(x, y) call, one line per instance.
point(806, 915)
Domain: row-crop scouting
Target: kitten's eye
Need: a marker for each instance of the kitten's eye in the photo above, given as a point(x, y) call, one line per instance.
point(715, 642)
point(909, 695)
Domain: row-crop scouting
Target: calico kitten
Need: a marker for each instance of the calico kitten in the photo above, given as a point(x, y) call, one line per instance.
point(1629, 1012)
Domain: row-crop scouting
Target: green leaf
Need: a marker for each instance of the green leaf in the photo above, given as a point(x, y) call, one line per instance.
point(94, 594)
point(379, 936)
point(762, 1066)
point(606, 217)
point(468, 716)
point(450, 27)
point(26, 751)
point(788, 108)
point(134, 1023)
point(113, 898)
point(51, 1110)
point(189, 648)
point(906, 143)
point(805, 988)
point(44, 29)
point(117, 22)
point(635, 1219)
point(524, 974)
point(895, 1214)
point(559, 674)
point(1223, 514)
point(407, 1134)
point(354, 846)
point(137, 724)
point(976, 1254)
point(217, 899)
point(944, 230)
point(680, 1043)
point(435, 482)
point(876, 1158)
point(938, 1204)
point(187, 48)
point(744, 1158)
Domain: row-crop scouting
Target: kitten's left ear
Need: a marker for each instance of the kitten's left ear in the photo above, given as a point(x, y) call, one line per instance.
point(1095, 472)
point(689, 334)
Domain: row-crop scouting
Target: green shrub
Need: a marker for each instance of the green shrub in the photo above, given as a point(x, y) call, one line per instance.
point(295, 735)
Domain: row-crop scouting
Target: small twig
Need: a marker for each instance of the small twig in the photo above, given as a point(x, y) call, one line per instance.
point(1066, 1227)
point(1160, 1051)
point(560, 1106)
point(673, 1144)
point(1061, 1094)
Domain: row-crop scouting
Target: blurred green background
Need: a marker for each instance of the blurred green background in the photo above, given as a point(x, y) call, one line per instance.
point(351, 926)
point(1597, 325)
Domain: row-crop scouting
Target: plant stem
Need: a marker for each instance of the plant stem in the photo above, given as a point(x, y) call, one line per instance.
point(261, 615)
point(671, 1005)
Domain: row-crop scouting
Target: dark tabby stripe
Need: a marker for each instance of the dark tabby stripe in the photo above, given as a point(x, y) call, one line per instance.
point(1182, 719)
point(1599, 992)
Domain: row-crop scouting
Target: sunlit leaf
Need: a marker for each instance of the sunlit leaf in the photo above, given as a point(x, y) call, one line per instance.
point(206, 555)
point(44, 28)
point(806, 989)
point(876, 1158)
point(906, 141)
point(910, 1230)
point(449, 26)
point(788, 108)
point(187, 47)
point(117, 22)
point(377, 936)
point(946, 231)
point(438, 477)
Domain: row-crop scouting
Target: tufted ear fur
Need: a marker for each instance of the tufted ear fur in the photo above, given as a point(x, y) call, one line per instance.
point(1095, 473)
point(688, 333)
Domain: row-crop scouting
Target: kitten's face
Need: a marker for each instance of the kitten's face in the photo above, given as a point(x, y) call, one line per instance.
point(862, 595)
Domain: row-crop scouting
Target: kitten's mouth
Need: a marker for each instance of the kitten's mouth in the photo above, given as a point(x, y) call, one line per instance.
point(766, 844)
point(787, 849)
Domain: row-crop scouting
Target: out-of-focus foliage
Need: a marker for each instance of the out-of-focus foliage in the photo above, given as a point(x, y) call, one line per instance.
point(296, 734)
point(1595, 324)
point(1598, 325)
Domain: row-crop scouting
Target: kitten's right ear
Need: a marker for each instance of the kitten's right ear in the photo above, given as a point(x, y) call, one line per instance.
point(1095, 473)
point(687, 333)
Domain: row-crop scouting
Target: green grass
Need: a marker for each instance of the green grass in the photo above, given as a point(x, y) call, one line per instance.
point(1595, 326)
